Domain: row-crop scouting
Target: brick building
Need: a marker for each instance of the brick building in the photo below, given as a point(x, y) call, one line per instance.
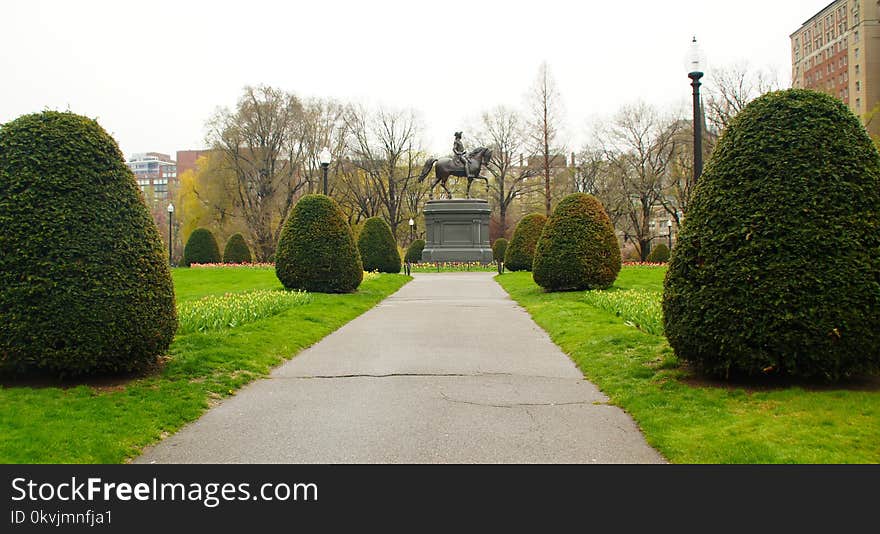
point(837, 51)
point(156, 174)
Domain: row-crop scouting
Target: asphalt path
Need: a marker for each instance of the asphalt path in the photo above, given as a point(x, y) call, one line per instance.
point(447, 370)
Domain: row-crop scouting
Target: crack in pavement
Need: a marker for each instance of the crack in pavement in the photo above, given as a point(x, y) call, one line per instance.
point(419, 375)
point(522, 404)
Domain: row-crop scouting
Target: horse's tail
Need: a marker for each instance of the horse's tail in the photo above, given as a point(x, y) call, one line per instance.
point(427, 169)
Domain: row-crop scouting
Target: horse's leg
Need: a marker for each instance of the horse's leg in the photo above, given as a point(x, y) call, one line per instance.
point(431, 191)
point(448, 192)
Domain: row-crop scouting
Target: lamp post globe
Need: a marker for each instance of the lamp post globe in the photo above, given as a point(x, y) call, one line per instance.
point(325, 157)
point(696, 66)
point(170, 231)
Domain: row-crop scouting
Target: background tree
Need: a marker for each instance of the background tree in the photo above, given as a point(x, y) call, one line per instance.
point(262, 142)
point(502, 130)
point(732, 87)
point(640, 144)
point(543, 128)
point(381, 144)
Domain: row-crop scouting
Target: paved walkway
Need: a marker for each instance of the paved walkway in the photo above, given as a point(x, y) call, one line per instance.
point(449, 369)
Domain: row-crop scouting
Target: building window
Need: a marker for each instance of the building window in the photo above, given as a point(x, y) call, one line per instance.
point(858, 88)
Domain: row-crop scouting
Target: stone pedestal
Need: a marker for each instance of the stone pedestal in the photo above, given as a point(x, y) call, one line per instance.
point(457, 230)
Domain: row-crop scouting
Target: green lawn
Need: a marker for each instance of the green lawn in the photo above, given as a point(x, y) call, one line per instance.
point(690, 423)
point(112, 422)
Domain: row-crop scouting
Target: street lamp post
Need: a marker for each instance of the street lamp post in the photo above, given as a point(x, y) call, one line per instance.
point(669, 232)
point(170, 232)
point(324, 157)
point(696, 67)
point(412, 230)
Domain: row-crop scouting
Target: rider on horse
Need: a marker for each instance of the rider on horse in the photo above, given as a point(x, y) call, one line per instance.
point(460, 154)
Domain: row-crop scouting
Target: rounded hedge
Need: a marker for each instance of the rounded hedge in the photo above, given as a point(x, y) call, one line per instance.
point(237, 250)
point(414, 252)
point(316, 250)
point(378, 248)
point(499, 248)
point(659, 254)
point(578, 249)
point(201, 247)
point(520, 252)
point(777, 267)
point(84, 280)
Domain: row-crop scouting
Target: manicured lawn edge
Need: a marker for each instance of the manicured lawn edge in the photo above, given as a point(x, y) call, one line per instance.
point(113, 423)
point(696, 424)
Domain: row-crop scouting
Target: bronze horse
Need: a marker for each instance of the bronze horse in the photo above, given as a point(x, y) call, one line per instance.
point(446, 167)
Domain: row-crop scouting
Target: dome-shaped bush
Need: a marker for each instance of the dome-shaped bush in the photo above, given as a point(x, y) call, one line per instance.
point(659, 254)
point(201, 247)
point(377, 247)
point(520, 252)
point(316, 251)
point(777, 266)
point(237, 250)
point(84, 280)
point(414, 252)
point(578, 249)
point(499, 248)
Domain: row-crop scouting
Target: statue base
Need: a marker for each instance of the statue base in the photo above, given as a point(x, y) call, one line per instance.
point(457, 230)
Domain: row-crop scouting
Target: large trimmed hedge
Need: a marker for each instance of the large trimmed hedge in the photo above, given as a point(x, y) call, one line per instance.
point(237, 250)
point(777, 267)
point(578, 249)
point(316, 251)
point(520, 254)
point(84, 280)
point(414, 252)
point(378, 248)
point(201, 247)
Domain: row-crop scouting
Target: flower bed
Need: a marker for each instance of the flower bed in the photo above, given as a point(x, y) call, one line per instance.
point(235, 309)
point(637, 307)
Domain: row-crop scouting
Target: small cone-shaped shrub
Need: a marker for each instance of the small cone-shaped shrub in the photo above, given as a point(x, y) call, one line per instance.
point(377, 247)
point(84, 280)
point(316, 250)
point(777, 266)
point(499, 248)
point(659, 254)
point(520, 253)
point(414, 252)
point(578, 249)
point(237, 250)
point(201, 247)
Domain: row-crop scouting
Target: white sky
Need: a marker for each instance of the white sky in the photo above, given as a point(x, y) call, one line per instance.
point(153, 72)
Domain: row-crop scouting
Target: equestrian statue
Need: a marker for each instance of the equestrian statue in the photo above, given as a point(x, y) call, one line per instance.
point(462, 164)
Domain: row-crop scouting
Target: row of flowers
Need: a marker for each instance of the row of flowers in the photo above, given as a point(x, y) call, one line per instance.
point(235, 309)
point(244, 265)
point(644, 264)
point(640, 308)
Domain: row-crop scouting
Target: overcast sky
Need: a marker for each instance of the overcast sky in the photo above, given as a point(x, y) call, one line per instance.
point(153, 72)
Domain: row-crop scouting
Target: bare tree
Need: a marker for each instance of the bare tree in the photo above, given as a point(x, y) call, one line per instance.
point(731, 88)
point(543, 127)
point(502, 131)
point(262, 141)
point(380, 143)
point(323, 126)
point(641, 146)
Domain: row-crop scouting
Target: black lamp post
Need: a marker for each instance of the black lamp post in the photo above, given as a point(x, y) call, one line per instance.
point(412, 230)
point(324, 157)
point(695, 72)
point(669, 232)
point(170, 232)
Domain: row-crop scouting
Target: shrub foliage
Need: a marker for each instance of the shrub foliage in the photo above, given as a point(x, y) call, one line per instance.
point(84, 280)
point(414, 252)
point(237, 250)
point(659, 254)
point(377, 247)
point(578, 249)
point(201, 247)
point(520, 253)
point(316, 251)
point(499, 248)
point(777, 268)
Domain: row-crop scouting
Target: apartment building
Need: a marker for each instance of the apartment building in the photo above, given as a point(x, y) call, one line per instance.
point(837, 51)
point(155, 173)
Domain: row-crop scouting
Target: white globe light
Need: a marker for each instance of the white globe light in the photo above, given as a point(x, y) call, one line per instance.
point(696, 60)
point(324, 157)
